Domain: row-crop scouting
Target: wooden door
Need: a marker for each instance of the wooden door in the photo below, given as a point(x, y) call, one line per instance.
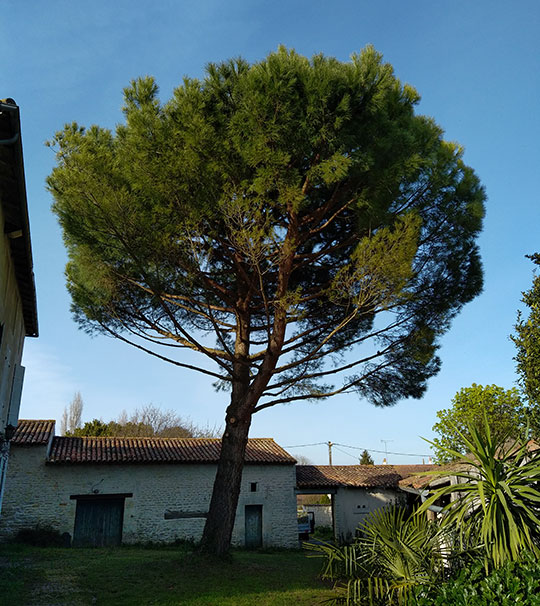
point(98, 522)
point(253, 517)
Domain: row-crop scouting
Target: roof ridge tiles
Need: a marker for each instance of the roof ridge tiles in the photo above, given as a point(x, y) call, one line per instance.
point(108, 449)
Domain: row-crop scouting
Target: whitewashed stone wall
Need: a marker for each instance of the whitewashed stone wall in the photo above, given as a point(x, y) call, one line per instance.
point(40, 493)
point(322, 514)
point(352, 505)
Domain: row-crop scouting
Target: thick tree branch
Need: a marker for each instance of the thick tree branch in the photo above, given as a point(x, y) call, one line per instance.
point(161, 357)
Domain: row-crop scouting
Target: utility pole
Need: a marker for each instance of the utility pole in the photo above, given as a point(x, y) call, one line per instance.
point(330, 453)
point(386, 449)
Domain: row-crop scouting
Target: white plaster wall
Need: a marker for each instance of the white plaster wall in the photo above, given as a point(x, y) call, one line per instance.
point(39, 493)
point(352, 505)
point(322, 514)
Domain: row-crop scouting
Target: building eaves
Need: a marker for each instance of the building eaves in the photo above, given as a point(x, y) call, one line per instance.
point(15, 210)
point(33, 432)
point(354, 476)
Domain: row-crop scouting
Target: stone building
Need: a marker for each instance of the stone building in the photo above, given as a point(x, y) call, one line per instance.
point(103, 491)
point(356, 490)
point(18, 312)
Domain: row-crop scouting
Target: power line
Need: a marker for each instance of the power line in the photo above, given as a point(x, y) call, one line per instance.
point(345, 452)
point(303, 445)
point(402, 454)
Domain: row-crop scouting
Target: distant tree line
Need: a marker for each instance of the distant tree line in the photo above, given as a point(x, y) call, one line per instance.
point(148, 421)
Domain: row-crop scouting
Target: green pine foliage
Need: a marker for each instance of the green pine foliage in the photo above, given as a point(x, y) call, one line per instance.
point(303, 193)
point(366, 458)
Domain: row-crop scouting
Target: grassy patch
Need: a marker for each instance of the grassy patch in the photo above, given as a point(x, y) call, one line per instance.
point(157, 577)
point(17, 575)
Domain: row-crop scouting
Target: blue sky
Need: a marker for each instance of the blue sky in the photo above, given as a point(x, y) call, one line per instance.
point(476, 66)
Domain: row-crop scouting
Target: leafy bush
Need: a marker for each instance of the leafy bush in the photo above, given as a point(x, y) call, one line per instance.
point(42, 536)
point(323, 533)
point(498, 501)
point(517, 583)
point(395, 554)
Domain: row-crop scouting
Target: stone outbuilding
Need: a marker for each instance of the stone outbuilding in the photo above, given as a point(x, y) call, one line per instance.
point(107, 491)
point(356, 490)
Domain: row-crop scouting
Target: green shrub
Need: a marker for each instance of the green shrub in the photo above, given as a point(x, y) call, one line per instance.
point(517, 583)
point(395, 554)
point(323, 533)
point(497, 500)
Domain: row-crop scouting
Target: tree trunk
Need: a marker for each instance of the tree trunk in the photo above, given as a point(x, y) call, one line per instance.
point(216, 539)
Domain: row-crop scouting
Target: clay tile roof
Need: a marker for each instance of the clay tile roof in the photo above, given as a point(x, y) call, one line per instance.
point(444, 472)
point(356, 476)
point(33, 433)
point(160, 450)
point(419, 481)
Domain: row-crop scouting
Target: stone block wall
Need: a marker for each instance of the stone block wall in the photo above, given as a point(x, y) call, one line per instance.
point(165, 503)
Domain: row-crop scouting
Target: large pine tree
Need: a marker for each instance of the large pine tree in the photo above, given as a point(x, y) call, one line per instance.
point(297, 211)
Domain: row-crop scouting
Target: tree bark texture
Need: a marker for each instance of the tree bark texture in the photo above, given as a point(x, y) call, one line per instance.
point(216, 539)
point(217, 534)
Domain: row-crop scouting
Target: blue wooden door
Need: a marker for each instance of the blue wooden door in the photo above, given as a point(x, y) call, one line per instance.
point(253, 517)
point(98, 522)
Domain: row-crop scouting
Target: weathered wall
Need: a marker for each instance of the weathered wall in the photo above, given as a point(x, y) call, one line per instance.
point(11, 319)
point(352, 505)
point(11, 342)
point(39, 493)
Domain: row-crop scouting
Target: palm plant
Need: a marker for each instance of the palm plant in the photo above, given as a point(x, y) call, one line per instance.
point(496, 500)
point(394, 554)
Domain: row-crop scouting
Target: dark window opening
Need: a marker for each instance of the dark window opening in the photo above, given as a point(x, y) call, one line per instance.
point(253, 486)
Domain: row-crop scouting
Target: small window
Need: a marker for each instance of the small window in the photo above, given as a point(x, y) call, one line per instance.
point(253, 486)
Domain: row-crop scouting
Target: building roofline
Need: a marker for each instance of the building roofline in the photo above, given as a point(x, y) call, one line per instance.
point(15, 209)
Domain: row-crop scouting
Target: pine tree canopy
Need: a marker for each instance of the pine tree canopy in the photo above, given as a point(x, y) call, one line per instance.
point(292, 211)
point(366, 458)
